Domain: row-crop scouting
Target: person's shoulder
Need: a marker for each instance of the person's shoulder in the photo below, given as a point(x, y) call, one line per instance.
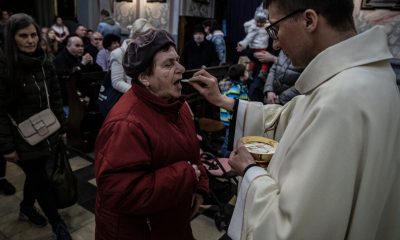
point(62, 54)
point(189, 46)
point(208, 44)
point(191, 42)
point(118, 52)
point(63, 57)
point(218, 38)
point(102, 52)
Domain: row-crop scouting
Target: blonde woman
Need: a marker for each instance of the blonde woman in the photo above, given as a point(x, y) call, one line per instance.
point(119, 80)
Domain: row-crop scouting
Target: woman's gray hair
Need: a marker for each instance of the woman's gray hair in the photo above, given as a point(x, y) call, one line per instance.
point(140, 25)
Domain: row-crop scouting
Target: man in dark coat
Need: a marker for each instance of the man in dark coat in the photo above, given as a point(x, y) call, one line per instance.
point(71, 59)
point(198, 52)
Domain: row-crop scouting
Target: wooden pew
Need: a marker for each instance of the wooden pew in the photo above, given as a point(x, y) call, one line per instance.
point(200, 107)
point(206, 115)
point(84, 120)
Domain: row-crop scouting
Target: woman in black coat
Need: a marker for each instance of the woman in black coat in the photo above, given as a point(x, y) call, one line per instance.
point(25, 72)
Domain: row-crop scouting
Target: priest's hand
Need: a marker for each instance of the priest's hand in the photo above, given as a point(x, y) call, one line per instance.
point(207, 85)
point(240, 158)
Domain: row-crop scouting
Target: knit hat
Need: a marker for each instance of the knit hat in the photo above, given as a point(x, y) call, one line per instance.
point(141, 50)
point(198, 29)
point(261, 14)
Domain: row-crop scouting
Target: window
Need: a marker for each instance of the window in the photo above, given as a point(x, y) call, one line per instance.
point(372, 4)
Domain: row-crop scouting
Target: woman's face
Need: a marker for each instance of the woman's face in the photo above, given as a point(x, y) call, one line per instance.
point(164, 82)
point(51, 34)
point(59, 21)
point(27, 39)
point(114, 45)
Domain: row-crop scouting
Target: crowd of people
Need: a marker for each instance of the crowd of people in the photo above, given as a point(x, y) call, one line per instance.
point(334, 174)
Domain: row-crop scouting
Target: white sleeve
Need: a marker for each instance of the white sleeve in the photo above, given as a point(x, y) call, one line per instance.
point(305, 194)
point(119, 80)
point(252, 32)
point(237, 220)
point(256, 119)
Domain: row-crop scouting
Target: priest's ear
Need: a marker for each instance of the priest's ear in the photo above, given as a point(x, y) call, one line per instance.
point(311, 19)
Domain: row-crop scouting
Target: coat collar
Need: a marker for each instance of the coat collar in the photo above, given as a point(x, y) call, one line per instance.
point(171, 107)
point(367, 47)
point(35, 60)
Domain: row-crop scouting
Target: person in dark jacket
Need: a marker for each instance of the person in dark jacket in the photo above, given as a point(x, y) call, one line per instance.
point(5, 186)
point(95, 44)
point(150, 181)
point(199, 52)
point(279, 85)
point(72, 59)
point(25, 74)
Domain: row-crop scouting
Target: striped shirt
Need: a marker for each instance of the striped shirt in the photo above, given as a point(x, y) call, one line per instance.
point(238, 90)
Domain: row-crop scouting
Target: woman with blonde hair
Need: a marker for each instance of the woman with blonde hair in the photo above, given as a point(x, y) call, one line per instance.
point(119, 80)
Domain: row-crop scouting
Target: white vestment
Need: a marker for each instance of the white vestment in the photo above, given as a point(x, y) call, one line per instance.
point(335, 173)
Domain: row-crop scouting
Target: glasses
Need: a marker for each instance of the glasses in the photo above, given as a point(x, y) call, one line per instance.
point(272, 29)
point(98, 39)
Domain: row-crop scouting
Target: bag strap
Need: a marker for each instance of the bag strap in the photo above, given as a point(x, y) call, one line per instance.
point(45, 88)
point(12, 120)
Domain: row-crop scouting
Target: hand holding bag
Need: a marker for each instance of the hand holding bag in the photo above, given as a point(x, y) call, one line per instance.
point(63, 179)
point(38, 126)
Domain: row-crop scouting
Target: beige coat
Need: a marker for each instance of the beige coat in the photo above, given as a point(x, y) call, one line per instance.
point(335, 174)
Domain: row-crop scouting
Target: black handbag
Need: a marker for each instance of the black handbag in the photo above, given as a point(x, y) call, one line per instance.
point(108, 96)
point(63, 179)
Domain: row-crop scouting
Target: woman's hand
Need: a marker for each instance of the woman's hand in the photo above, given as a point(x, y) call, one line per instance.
point(240, 158)
point(207, 86)
point(196, 170)
point(11, 157)
point(197, 200)
point(265, 57)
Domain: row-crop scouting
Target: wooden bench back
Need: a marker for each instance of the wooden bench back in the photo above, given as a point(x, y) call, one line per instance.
point(200, 106)
point(84, 120)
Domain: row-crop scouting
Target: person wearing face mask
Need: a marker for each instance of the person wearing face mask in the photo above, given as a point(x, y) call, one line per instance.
point(27, 77)
point(148, 185)
point(199, 52)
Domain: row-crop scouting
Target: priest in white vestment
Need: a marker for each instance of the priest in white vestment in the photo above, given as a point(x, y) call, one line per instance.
point(335, 173)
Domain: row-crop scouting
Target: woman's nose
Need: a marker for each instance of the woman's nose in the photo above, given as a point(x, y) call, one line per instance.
point(180, 68)
point(31, 39)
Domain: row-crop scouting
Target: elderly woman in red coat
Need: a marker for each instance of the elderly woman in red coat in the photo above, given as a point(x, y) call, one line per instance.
point(149, 176)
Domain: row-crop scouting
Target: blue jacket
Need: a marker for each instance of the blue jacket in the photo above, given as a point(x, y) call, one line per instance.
point(237, 91)
point(219, 42)
point(108, 26)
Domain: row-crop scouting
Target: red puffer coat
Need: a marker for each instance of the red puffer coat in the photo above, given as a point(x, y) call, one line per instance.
point(145, 183)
